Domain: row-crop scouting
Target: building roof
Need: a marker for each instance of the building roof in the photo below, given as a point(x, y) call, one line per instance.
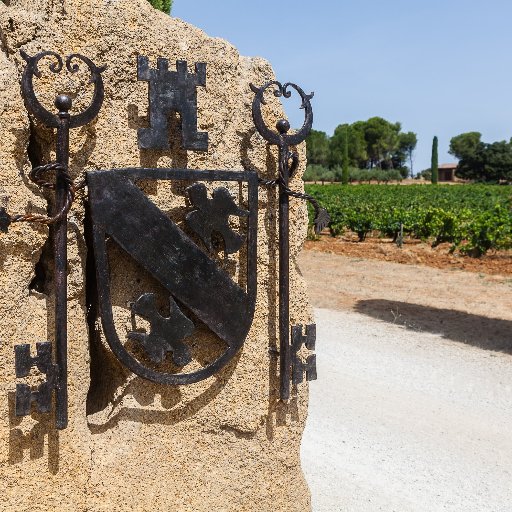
point(448, 166)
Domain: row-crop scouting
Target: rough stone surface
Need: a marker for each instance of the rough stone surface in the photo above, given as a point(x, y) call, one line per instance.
point(226, 444)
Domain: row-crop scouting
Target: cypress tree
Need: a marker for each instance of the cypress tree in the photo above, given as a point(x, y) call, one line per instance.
point(345, 172)
point(434, 164)
point(162, 5)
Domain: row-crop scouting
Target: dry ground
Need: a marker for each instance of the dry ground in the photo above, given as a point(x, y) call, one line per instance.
point(414, 252)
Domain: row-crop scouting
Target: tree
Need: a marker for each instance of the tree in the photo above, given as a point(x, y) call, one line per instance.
point(488, 163)
point(375, 143)
point(345, 173)
point(407, 144)
point(426, 174)
point(497, 161)
point(381, 141)
point(464, 146)
point(435, 163)
point(162, 5)
point(480, 161)
point(317, 173)
point(356, 146)
point(317, 148)
point(469, 149)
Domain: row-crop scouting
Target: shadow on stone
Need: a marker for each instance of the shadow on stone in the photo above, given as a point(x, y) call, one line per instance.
point(33, 440)
point(145, 393)
point(479, 331)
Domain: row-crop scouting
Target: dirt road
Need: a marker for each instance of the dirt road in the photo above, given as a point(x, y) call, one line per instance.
point(413, 407)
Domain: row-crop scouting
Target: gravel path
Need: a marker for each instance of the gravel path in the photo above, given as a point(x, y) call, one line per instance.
point(404, 420)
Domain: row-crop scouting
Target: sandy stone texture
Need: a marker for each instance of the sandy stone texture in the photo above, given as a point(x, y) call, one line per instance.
point(225, 444)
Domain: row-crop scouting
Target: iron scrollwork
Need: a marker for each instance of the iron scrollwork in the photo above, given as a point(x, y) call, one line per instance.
point(38, 110)
point(181, 258)
point(281, 138)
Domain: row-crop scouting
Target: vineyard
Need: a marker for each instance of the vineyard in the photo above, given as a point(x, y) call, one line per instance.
point(473, 218)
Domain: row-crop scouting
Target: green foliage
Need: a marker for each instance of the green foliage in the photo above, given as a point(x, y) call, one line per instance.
point(378, 175)
point(406, 145)
point(324, 174)
point(426, 174)
point(464, 146)
point(435, 162)
point(162, 5)
point(372, 143)
point(356, 146)
point(318, 173)
point(346, 163)
point(473, 218)
point(317, 148)
point(491, 230)
point(381, 141)
point(481, 161)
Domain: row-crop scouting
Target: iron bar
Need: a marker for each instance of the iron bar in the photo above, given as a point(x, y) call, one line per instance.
point(63, 103)
point(284, 275)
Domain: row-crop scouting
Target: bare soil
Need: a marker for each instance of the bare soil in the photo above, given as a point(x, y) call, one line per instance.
point(413, 252)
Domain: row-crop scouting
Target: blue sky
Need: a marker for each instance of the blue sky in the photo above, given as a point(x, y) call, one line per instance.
point(439, 67)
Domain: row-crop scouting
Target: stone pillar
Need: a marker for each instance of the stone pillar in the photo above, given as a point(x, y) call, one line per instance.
point(224, 444)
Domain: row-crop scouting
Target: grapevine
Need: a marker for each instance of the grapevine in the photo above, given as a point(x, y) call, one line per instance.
point(472, 218)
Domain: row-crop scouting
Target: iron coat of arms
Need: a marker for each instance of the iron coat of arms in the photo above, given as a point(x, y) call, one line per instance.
point(181, 260)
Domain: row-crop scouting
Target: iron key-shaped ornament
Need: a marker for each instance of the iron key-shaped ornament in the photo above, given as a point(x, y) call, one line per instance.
point(298, 366)
point(64, 195)
point(288, 163)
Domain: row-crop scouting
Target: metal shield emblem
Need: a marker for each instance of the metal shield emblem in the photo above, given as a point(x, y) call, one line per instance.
point(182, 260)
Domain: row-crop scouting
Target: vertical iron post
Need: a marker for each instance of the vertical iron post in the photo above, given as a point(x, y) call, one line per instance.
point(284, 274)
point(63, 103)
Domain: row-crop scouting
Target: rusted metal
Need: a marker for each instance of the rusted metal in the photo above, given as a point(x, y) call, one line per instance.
point(72, 65)
point(60, 251)
point(166, 334)
point(64, 195)
point(37, 176)
point(288, 163)
point(194, 279)
point(212, 216)
point(188, 267)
